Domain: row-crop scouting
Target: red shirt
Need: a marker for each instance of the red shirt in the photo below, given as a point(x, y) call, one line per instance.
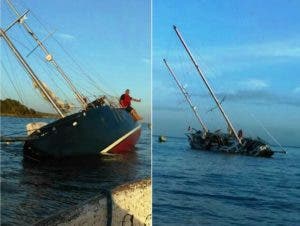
point(125, 100)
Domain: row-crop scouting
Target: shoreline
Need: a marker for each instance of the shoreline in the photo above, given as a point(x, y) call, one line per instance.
point(28, 116)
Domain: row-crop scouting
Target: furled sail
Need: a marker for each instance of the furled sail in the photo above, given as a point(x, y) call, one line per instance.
point(63, 106)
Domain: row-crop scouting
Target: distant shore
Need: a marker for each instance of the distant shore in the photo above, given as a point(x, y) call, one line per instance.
point(14, 108)
point(40, 115)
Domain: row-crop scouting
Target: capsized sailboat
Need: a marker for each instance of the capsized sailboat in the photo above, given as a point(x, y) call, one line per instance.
point(231, 142)
point(100, 126)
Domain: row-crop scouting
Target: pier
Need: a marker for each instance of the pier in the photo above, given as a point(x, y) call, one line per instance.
point(128, 204)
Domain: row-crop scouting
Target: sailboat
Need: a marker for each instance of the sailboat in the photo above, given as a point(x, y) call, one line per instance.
point(231, 142)
point(100, 126)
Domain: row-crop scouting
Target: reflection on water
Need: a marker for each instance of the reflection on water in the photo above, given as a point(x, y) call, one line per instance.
point(32, 191)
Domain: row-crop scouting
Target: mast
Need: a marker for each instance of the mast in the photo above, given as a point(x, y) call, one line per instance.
point(49, 57)
point(207, 85)
point(186, 97)
point(30, 71)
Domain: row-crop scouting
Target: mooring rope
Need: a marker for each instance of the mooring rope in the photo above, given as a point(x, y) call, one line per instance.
point(268, 132)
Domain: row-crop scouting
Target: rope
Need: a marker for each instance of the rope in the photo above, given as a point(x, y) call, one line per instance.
point(81, 72)
point(16, 85)
point(10, 79)
point(267, 131)
point(92, 82)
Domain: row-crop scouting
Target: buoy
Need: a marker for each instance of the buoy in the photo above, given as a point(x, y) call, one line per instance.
point(162, 139)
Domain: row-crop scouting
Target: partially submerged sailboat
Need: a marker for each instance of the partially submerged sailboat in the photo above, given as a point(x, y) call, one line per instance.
point(100, 126)
point(231, 142)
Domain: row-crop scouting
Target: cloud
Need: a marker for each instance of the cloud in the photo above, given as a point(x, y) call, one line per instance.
point(289, 47)
point(169, 108)
point(282, 48)
point(146, 60)
point(263, 96)
point(66, 37)
point(245, 96)
point(215, 60)
point(297, 90)
point(255, 84)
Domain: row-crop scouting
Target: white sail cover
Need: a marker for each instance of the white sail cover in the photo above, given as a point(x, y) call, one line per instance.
point(63, 106)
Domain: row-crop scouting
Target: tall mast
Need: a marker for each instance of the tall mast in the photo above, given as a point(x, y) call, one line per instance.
point(30, 71)
point(49, 57)
point(186, 96)
point(207, 85)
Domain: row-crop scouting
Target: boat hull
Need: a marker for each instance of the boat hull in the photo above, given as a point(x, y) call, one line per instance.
point(224, 143)
point(97, 130)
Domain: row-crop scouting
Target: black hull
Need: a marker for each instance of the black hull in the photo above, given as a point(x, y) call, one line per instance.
point(81, 134)
point(224, 143)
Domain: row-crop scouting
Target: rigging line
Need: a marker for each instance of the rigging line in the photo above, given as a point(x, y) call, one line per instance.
point(9, 62)
point(185, 71)
point(23, 64)
point(51, 59)
point(170, 45)
point(267, 131)
point(9, 15)
point(84, 74)
point(11, 81)
point(187, 68)
point(39, 58)
point(36, 54)
point(50, 73)
point(91, 82)
point(72, 58)
point(18, 90)
point(43, 66)
point(3, 91)
point(29, 81)
point(26, 37)
point(54, 82)
point(22, 91)
point(27, 48)
point(69, 55)
point(81, 72)
point(17, 84)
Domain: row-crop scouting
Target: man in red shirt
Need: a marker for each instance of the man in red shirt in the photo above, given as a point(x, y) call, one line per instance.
point(125, 102)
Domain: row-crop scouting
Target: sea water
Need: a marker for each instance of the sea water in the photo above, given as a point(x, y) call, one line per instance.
point(193, 187)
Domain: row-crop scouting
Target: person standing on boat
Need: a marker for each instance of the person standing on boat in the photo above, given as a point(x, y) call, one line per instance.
point(125, 102)
point(240, 133)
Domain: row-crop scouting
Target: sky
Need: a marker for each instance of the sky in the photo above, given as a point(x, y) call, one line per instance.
point(250, 53)
point(110, 39)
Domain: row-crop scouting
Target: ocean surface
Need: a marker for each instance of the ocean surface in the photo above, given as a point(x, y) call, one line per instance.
point(32, 191)
point(192, 187)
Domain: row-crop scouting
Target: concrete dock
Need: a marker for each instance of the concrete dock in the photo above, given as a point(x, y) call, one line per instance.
point(128, 204)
